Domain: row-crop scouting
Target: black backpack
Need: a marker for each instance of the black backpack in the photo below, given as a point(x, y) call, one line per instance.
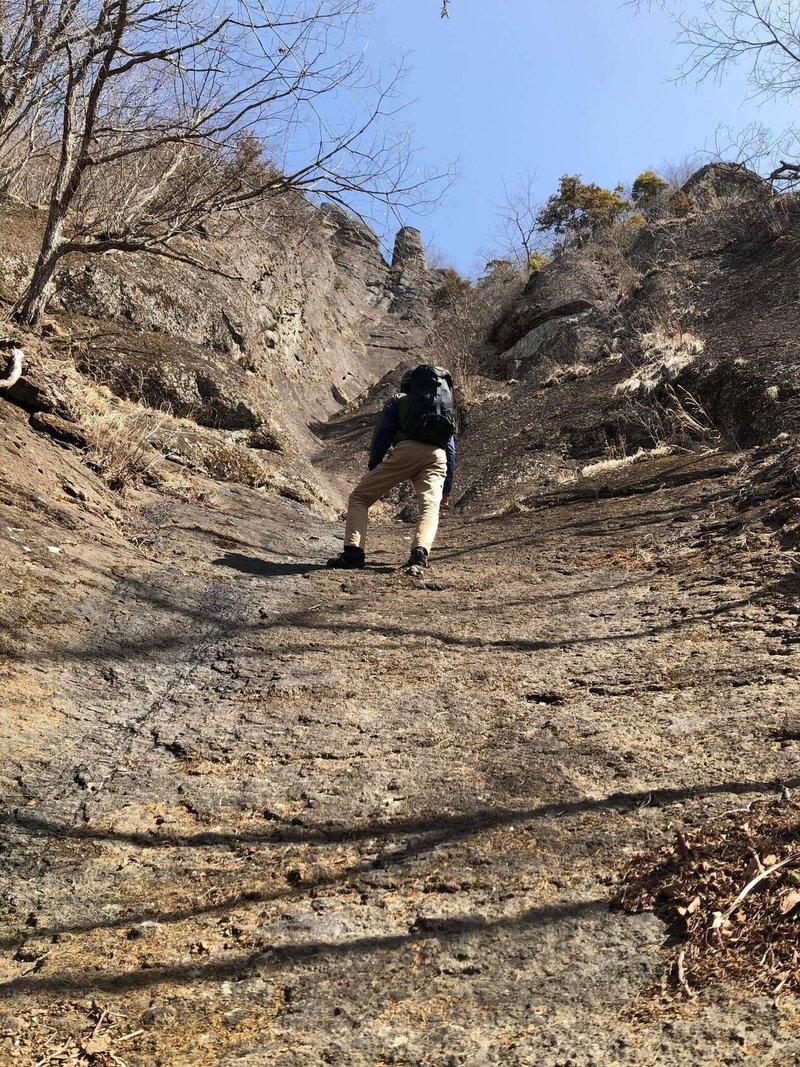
point(426, 408)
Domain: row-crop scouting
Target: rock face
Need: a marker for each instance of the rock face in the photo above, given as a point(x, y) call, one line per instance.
point(573, 284)
point(682, 335)
point(349, 230)
point(409, 251)
point(289, 326)
point(722, 184)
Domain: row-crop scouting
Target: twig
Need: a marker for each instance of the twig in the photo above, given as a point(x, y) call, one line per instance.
point(721, 917)
point(53, 1055)
point(100, 1022)
point(780, 985)
point(681, 969)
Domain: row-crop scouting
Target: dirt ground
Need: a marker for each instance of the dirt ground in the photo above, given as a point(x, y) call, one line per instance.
point(259, 812)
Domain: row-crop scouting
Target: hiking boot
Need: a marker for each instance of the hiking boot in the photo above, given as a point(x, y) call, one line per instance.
point(351, 559)
point(418, 557)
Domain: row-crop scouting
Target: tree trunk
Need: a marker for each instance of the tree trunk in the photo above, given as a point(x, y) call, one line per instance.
point(31, 305)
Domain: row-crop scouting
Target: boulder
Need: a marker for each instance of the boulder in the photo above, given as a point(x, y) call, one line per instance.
point(718, 185)
point(183, 379)
point(561, 339)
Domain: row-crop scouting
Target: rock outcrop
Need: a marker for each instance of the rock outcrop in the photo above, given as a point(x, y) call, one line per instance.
point(682, 335)
point(719, 185)
point(287, 326)
point(409, 251)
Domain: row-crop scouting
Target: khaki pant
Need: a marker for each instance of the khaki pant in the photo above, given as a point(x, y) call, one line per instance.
point(413, 461)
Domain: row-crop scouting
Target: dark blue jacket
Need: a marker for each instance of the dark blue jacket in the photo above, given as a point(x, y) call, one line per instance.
point(385, 434)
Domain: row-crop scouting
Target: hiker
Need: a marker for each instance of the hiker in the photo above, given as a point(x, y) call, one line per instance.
point(416, 430)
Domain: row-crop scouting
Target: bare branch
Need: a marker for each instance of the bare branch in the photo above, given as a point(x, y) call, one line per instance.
point(139, 108)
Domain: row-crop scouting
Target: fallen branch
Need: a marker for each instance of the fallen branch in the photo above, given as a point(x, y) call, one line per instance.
point(721, 917)
point(15, 371)
point(681, 969)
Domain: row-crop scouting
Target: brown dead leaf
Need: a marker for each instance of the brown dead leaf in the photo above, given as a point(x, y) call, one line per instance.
point(94, 1046)
point(790, 901)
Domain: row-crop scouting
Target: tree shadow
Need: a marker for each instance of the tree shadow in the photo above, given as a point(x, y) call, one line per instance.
point(218, 609)
point(263, 568)
point(271, 957)
point(425, 834)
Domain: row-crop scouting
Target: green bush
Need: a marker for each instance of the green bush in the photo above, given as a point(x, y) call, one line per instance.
point(580, 210)
point(536, 261)
point(647, 187)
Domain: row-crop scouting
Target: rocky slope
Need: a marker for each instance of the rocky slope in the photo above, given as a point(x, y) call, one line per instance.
point(231, 370)
point(258, 812)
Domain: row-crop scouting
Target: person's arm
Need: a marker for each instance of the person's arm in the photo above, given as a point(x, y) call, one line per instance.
point(450, 449)
point(384, 433)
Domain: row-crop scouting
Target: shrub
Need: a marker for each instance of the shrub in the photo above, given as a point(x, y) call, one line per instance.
point(452, 288)
point(647, 187)
point(234, 463)
point(461, 320)
point(536, 261)
point(579, 210)
point(680, 203)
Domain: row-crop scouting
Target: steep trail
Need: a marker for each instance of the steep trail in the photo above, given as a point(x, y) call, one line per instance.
point(295, 816)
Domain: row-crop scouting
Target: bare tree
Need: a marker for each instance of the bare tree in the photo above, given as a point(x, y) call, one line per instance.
point(518, 238)
point(678, 172)
point(152, 109)
point(762, 35)
point(463, 313)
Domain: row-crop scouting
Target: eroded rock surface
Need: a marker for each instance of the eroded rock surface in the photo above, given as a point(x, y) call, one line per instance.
point(291, 816)
point(259, 812)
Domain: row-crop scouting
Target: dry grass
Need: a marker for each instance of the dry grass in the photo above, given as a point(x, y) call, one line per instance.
point(231, 462)
point(605, 466)
point(664, 356)
point(675, 416)
point(572, 373)
point(122, 445)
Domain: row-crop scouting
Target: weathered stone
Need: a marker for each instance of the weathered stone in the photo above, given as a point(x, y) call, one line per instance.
point(267, 436)
point(183, 379)
point(62, 430)
point(557, 337)
point(574, 282)
point(349, 229)
point(409, 251)
point(720, 184)
point(37, 391)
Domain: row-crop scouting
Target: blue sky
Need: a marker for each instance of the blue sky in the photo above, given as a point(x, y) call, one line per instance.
point(571, 86)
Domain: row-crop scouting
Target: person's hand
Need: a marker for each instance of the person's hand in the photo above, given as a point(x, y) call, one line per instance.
point(445, 503)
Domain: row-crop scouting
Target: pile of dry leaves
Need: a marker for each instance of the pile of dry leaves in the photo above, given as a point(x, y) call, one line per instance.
point(730, 895)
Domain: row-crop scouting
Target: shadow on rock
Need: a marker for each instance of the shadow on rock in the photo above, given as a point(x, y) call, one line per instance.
point(262, 567)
